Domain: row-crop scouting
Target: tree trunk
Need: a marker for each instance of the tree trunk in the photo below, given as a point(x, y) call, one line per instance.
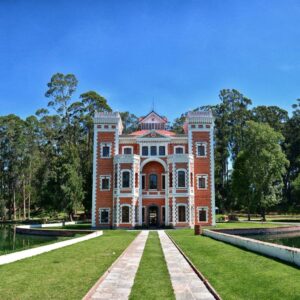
point(24, 200)
point(14, 204)
point(263, 214)
point(29, 200)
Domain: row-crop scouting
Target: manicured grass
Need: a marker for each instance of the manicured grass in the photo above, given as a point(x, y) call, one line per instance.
point(236, 273)
point(152, 280)
point(67, 273)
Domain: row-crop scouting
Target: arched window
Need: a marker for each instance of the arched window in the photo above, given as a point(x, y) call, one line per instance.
point(153, 182)
point(181, 181)
point(125, 179)
point(125, 214)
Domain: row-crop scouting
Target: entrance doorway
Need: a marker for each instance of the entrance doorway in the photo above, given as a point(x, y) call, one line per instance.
point(153, 216)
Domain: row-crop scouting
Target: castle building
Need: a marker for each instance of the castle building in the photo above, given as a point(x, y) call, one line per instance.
point(153, 177)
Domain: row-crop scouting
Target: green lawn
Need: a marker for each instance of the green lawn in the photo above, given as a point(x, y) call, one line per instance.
point(67, 273)
point(152, 280)
point(237, 273)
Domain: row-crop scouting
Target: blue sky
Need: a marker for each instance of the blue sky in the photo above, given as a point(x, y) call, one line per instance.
point(177, 53)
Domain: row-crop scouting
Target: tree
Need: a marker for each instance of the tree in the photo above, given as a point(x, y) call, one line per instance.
point(262, 164)
point(130, 122)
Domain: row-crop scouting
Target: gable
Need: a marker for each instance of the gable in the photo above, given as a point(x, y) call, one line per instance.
point(152, 117)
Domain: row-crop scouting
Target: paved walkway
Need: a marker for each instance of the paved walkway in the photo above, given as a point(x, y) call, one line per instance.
point(186, 284)
point(117, 282)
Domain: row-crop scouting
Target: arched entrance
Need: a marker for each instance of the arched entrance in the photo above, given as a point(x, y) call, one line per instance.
point(153, 216)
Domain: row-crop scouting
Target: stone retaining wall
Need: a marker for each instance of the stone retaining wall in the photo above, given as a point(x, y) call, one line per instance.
point(288, 254)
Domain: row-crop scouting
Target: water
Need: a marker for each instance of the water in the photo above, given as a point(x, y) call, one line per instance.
point(291, 239)
point(10, 241)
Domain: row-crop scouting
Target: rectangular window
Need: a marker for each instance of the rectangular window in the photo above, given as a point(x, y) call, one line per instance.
point(163, 215)
point(143, 182)
point(170, 179)
point(145, 151)
point(163, 181)
point(202, 181)
point(116, 180)
point(127, 150)
point(181, 179)
point(181, 213)
point(125, 179)
point(202, 214)
point(104, 183)
point(143, 214)
point(201, 149)
point(178, 150)
point(153, 150)
point(104, 215)
point(125, 214)
point(105, 150)
point(162, 150)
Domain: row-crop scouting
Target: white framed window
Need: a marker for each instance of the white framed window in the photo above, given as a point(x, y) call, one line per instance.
point(201, 149)
point(127, 150)
point(104, 215)
point(125, 213)
point(179, 150)
point(154, 150)
point(181, 181)
point(126, 178)
point(105, 150)
point(145, 151)
point(161, 150)
point(202, 214)
point(104, 182)
point(202, 181)
point(181, 213)
point(163, 181)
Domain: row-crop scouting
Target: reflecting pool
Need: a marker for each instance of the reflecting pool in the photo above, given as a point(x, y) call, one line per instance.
point(10, 241)
point(290, 239)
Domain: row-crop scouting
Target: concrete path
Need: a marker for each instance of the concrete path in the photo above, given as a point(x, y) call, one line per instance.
point(117, 282)
point(186, 284)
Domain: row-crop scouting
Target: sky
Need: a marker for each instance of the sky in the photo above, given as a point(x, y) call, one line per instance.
point(175, 54)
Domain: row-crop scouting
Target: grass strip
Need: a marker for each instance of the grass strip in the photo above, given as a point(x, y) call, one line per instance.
point(66, 273)
point(236, 273)
point(152, 280)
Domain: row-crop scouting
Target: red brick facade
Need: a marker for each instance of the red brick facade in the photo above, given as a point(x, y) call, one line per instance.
point(153, 177)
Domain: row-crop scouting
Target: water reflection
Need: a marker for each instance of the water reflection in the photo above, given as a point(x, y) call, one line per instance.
point(291, 239)
point(11, 241)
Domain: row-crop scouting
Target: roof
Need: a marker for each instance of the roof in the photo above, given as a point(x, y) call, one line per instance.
point(163, 119)
point(159, 131)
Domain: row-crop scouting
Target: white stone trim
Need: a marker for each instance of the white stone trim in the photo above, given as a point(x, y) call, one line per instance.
point(186, 212)
point(157, 145)
point(130, 178)
point(205, 176)
point(130, 214)
point(154, 158)
point(101, 209)
point(128, 147)
point(179, 147)
point(94, 195)
point(109, 182)
point(205, 149)
point(206, 209)
point(104, 144)
point(212, 175)
point(185, 179)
